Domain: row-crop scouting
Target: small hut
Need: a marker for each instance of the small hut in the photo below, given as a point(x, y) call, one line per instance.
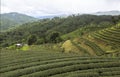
point(18, 45)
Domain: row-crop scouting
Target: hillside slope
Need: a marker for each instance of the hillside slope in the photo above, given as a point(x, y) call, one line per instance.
point(10, 20)
point(79, 31)
point(43, 28)
point(97, 43)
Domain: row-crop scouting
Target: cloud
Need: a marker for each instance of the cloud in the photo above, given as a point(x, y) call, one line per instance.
point(56, 7)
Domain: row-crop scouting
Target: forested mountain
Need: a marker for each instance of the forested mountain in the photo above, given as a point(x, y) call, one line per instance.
point(61, 26)
point(13, 19)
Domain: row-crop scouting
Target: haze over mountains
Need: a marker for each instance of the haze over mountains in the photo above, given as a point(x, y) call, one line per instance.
point(114, 12)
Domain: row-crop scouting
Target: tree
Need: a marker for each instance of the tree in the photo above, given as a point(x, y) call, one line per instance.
point(115, 19)
point(32, 39)
point(54, 37)
point(40, 41)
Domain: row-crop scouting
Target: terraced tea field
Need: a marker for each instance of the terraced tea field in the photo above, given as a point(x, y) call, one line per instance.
point(103, 42)
point(46, 63)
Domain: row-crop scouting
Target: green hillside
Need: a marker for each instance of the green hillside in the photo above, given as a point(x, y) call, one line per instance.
point(87, 35)
point(105, 41)
point(43, 29)
point(110, 36)
point(84, 31)
point(11, 20)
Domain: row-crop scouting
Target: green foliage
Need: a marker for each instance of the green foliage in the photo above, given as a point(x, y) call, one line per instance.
point(25, 48)
point(40, 41)
point(12, 47)
point(32, 39)
point(54, 37)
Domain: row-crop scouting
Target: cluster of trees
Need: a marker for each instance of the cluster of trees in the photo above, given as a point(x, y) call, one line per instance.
point(54, 37)
point(51, 30)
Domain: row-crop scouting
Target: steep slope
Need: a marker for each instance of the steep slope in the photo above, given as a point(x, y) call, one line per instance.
point(110, 37)
point(102, 42)
point(10, 20)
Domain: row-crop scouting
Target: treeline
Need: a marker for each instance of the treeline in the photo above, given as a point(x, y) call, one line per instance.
point(50, 30)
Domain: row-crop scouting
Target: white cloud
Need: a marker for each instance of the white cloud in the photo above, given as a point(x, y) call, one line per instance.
point(56, 7)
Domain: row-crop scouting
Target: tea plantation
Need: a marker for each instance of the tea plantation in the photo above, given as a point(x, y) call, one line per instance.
point(50, 63)
point(103, 42)
point(77, 46)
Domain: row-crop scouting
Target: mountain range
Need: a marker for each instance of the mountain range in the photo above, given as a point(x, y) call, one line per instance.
point(14, 19)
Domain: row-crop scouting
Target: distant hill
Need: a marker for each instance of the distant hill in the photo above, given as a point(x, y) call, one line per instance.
point(13, 19)
point(107, 13)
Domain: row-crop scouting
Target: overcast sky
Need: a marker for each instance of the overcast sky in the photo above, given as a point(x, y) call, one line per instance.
point(58, 7)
